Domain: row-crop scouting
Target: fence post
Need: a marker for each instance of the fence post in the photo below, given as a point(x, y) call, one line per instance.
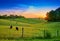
point(57, 33)
point(22, 32)
point(44, 33)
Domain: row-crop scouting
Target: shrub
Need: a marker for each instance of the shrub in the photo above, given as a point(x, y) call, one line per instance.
point(47, 35)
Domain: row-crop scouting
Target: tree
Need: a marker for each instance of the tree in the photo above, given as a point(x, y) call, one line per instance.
point(10, 16)
point(53, 15)
point(50, 16)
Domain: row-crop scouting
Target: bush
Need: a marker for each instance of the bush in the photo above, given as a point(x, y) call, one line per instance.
point(47, 35)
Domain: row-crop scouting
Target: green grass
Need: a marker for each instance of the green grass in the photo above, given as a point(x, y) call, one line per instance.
point(32, 28)
point(32, 40)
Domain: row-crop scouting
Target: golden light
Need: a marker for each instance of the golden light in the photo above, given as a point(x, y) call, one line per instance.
point(31, 12)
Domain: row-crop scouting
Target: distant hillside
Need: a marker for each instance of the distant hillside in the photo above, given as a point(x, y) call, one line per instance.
point(20, 21)
point(29, 20)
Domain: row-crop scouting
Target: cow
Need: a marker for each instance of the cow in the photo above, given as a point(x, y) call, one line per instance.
point(11, 27)
point(17, 28)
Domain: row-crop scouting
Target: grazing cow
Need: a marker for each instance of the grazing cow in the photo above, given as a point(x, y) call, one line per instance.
point(11, 27)
point(17, 28)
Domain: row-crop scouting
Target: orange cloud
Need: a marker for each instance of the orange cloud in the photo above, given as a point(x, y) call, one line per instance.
point(31, 12)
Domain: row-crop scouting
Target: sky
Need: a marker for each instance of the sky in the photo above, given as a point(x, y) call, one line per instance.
point(28, 8)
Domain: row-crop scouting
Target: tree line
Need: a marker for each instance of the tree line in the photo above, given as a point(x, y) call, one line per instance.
point(10, 16)
point(53, 15)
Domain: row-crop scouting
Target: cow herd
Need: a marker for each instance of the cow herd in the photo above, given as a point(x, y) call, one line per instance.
point(15, 28)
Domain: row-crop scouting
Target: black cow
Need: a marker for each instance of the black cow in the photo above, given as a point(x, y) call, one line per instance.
point(11, 27)
point(17, 28)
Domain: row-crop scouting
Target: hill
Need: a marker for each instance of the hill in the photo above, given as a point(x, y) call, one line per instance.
point(32, 28)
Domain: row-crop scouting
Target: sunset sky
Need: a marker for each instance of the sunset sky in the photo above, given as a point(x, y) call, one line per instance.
point(28, 8)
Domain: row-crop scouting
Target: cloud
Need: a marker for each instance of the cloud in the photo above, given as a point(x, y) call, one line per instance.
point(30, 12)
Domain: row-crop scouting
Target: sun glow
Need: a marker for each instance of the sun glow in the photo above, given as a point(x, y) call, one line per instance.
point(30, 12)
point(33, 12)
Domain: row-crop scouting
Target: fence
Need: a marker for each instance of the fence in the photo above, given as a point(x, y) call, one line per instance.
point(41, 33)
point(30, 33)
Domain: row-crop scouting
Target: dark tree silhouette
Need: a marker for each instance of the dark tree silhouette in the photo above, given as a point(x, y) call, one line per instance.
point(53, 15)
point(10, 16)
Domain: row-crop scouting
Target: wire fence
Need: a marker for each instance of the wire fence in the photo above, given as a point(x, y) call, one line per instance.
point(30, 33)
point(41, 33)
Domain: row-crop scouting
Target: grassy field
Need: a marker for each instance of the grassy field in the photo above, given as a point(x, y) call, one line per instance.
point(32, 28)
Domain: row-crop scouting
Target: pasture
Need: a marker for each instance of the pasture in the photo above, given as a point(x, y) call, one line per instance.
point(33, 28)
